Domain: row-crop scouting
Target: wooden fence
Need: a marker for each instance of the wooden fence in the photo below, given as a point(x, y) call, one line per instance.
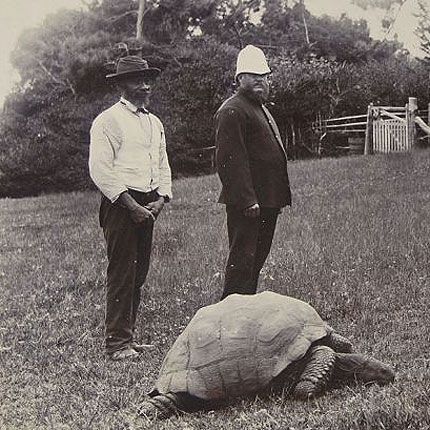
point(353, 126)
point(382, 129)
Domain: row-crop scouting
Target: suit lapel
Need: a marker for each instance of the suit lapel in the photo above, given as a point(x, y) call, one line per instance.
point(274, 127)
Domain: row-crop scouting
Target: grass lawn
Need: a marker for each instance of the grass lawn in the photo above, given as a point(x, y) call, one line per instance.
point(355, 244)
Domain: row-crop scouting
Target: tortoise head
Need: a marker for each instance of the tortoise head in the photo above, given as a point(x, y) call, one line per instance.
point(363, 368)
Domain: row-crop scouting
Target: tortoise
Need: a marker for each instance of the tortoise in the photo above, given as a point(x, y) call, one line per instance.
point(247, 343)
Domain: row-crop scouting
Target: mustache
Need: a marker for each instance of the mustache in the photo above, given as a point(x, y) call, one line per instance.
point(261, 85)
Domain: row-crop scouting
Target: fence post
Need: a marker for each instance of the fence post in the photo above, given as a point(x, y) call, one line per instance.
point(368, 140)
point(411, 110)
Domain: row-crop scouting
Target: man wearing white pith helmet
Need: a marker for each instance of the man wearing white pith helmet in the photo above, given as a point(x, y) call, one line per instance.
point(252, 166)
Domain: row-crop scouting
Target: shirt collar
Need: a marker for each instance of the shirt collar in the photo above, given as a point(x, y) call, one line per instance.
point(130, 106)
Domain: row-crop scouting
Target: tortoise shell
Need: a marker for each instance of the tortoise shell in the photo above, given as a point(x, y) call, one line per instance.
point(237, 346)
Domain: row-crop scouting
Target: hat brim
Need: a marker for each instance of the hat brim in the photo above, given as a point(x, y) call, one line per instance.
point(151, 72)
point(253, 73)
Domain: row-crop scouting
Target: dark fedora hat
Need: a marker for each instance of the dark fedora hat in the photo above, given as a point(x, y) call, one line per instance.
point(133, 65)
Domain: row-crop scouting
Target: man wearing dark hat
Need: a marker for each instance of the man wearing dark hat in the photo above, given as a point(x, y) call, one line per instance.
point(252, 166)
point(129, 165)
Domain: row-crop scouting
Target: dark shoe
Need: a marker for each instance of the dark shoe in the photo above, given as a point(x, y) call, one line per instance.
point(124, 354)
point(141, 347)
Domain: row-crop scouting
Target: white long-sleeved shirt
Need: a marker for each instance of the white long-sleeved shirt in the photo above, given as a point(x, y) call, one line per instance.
point(128, 151)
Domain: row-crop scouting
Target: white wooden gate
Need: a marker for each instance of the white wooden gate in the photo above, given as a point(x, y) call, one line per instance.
point(390, 135)
point(391, 128)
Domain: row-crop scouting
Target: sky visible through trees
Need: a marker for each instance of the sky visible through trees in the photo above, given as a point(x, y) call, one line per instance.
point(13, 20)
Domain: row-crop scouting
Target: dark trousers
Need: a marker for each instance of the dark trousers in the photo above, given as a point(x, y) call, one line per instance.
point(128, 252)
point(250, 240)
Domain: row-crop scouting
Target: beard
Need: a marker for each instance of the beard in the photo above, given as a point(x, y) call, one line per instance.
point(137, 96)
point(262, 94)
point(143, 98)
point(258, 93)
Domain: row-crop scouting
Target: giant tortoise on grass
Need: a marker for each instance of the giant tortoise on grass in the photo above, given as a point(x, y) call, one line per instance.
point(247, 343)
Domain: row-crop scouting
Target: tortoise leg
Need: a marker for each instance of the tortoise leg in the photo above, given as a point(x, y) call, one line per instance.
point(161, 406)
point(336, 341)
point(317, 372)
point(358, 367)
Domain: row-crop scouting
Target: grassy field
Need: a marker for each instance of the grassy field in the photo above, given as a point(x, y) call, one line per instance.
point(355, 244)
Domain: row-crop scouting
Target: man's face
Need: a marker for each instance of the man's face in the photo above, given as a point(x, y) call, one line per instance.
point(137, 89)
point(255, 86)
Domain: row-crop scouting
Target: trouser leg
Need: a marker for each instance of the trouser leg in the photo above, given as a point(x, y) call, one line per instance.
point(242, 237)
point(144, 247)
point(250, 240)
point(120, 286)
point(268, 219)
point(128, 251)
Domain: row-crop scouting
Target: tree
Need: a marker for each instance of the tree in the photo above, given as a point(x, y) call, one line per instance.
point(321, 66)
point(391, 8)
point(140, 34)
point(304, 89)
point(173, 21)
point(423, 30)
point(230, 21)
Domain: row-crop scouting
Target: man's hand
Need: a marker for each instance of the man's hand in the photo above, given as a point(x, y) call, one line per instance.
point(139, 214)
point(156, 207)
point(252, 211)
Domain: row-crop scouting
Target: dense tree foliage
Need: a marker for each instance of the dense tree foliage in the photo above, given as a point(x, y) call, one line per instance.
point(321, 66)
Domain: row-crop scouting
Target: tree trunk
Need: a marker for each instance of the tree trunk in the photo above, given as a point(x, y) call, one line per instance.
point(139, 25)
point(303, 7)
point(293, 140)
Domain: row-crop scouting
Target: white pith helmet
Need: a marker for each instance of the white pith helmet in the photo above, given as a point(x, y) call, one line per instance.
point(251, 60)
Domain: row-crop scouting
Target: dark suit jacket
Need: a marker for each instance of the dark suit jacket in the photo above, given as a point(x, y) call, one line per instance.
point(251, 159)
